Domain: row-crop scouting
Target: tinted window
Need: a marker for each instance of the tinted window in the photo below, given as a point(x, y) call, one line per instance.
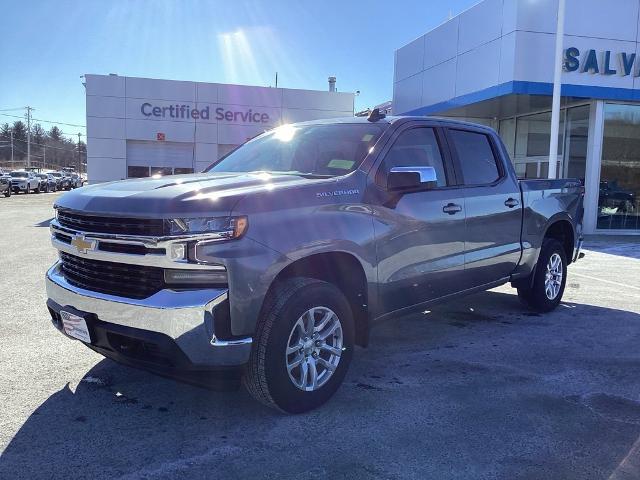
point(476, 157)
point(417, 147)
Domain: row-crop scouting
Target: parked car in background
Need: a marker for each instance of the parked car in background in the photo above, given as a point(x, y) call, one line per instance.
point(22, 181)
point(63, 182)
point(47, 182)
point(5, 183)
point(43, 184)
point(76, 180)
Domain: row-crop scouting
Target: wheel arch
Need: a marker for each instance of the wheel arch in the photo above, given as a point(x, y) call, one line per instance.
point(342, 269)
point(561, 229)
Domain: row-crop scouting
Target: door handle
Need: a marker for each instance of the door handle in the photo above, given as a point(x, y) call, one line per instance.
point(452, 208)
point(511, 202)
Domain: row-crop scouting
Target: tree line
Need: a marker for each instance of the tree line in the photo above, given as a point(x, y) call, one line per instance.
point(49, 149)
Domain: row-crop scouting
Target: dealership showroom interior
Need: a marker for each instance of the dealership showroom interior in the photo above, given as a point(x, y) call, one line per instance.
point(352, 240)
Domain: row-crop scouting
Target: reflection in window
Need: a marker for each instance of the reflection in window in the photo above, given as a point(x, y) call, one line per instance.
point(620, 169)
point(162, 171)
point(533, 134)
point(137, 172)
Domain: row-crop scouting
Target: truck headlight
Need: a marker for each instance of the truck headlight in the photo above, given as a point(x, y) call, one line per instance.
point(226, 227)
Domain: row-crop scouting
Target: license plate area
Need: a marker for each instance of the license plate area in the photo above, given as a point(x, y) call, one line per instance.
point(75, 326)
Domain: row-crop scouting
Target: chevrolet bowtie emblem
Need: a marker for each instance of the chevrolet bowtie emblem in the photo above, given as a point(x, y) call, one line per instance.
point(82, 244)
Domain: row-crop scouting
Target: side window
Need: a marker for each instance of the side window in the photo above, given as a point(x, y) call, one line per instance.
point(417, 147)
point(476, 157)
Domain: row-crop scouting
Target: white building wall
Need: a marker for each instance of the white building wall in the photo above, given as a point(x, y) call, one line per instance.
point(500, 41)
point(114, 116)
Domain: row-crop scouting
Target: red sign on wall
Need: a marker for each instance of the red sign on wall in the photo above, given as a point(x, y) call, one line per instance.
point(160, 136)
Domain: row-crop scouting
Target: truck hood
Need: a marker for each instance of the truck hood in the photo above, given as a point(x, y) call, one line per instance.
point(188, 195)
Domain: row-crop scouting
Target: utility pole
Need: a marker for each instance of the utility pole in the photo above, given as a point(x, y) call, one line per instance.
point(11, 133)
point(29, 135)
point(79, 159)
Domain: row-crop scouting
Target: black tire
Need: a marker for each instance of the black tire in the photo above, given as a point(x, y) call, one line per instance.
point(266, 377)
point(7, 194)
point(28, 190)
point(534, 295)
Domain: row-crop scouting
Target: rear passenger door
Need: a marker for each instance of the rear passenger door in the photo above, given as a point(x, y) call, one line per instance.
point(419, 234)
point(492, 205)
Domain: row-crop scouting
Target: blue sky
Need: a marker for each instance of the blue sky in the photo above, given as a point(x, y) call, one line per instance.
point(46, 45)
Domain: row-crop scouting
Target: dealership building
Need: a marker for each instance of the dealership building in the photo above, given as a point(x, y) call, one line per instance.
point(494, 64)
point(137, 127)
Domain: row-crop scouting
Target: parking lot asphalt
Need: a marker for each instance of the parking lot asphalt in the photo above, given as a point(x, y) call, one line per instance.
point(479, 388)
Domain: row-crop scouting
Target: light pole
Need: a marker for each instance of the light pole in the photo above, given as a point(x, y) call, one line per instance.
point(557, 84)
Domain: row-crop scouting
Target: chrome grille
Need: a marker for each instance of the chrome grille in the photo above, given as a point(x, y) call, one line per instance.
point(120, 279)
point(112, 225)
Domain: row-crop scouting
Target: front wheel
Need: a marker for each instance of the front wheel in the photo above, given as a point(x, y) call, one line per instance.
point(544, 293)
point(8, 192)
point(303, 346)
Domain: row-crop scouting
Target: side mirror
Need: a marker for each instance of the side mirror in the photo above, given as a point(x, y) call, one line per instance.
point(412, 178)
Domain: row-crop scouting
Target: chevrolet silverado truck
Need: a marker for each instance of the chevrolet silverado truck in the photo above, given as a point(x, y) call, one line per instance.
point(276, 261)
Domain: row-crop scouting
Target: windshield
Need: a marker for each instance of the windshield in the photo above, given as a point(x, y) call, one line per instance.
point(19, 174)
point(322, 150)
point(56, 174)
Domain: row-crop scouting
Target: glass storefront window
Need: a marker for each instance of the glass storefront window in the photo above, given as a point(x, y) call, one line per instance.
point(531, 158)
point(620, 169)
point(575, 147)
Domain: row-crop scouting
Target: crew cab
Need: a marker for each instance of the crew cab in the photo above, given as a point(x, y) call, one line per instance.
point(278, 259)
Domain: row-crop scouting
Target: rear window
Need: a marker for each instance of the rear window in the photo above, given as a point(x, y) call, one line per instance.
point(479, 166)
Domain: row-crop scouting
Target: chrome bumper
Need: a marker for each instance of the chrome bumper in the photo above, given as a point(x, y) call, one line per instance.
point(184, 316)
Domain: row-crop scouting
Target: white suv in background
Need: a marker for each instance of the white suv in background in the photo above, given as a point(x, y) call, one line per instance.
point(22, 181)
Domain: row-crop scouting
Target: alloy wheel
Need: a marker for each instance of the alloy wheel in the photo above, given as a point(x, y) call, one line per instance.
point(314, 348)
point(553, 277)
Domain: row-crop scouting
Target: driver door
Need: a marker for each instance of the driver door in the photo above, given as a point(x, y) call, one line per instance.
point(420, 234)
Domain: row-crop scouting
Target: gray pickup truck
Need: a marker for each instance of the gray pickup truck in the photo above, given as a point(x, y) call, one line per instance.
point(276, 261)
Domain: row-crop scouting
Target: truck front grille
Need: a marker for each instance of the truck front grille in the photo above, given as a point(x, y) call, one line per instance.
point(120, 279)
point(112, 225)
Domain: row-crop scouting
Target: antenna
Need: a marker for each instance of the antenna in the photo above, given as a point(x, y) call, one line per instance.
point(376, 115)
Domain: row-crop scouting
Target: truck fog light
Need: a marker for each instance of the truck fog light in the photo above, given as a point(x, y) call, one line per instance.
point(196, 277)
point(178, 251)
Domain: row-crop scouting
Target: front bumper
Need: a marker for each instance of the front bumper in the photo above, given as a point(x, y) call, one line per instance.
point(180, 321)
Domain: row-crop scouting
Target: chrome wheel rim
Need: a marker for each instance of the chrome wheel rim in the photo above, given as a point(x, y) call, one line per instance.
point(314, 348)
point(553, 277)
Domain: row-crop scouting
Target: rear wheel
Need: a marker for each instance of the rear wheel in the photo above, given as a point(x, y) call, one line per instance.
point(303, 346)
point(545, 291)
point(8, 192)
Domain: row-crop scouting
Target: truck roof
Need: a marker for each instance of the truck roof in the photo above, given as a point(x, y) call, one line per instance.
point(390, 119)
